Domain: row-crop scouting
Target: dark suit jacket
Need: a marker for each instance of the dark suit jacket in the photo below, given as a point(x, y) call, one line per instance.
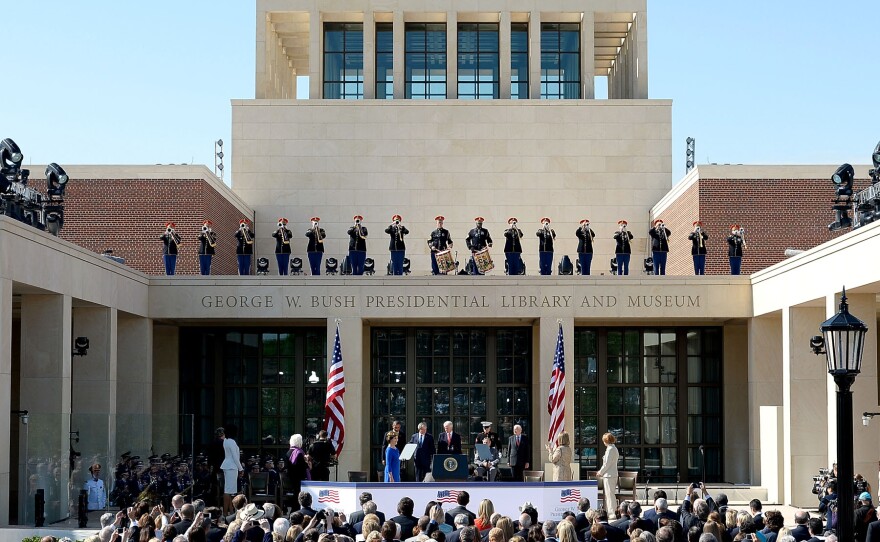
point(519, 455)
point(462, 510)
point(613, 534)
point(425, 452)
point(873, 532)
point(444, 447)
point(652, 515)
point(407, 523)
point(357, 525)
point(581, 522)
point(454, 536)
point(181, 526)
point(801, 533)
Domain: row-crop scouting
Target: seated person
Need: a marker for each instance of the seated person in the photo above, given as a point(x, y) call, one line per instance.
point(487, 467)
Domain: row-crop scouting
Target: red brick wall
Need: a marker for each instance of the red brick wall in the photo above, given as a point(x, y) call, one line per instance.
point(679, 218)
point(129, 215)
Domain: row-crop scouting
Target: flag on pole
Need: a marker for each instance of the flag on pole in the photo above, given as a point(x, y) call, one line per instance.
point(556, 400)
point(334, 406)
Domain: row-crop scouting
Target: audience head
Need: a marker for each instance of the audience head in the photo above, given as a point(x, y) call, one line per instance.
point(583, 504)
point(496, 535)
point(801, 517)
point(405, 506)
point(486, 509)
point(369, 507)
point(549, 528)
point(565, 532)
point(187, 511)
point(296, 441)
point(438, 536)
point(463, 498)
point(660, 504)
point(365, 497)
point(525, 520)
point(665, 534)
point(305, 499)
point(755, 505)
point(468, 534)
point(597, 531)
point(816, 527)
point(389, 531)
point(461, 520)
point(635, 509)
point(659, 494)
point(239, 502)
point(536, 534)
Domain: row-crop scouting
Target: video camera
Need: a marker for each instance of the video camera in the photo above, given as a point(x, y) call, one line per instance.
point(821, 481)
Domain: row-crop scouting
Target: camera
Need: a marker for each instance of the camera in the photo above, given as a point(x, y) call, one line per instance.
point(821, 480)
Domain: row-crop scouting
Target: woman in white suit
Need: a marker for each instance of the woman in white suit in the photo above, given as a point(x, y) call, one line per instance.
point(609, 474)
point(231, 467)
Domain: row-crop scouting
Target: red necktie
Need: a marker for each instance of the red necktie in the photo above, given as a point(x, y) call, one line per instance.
point(517, 441)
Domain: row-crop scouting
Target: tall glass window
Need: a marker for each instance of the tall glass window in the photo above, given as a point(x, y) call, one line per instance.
point(478, 66)
point(645, 386)
point(425, 60)
point(560, 61)
point(465, 375)
point(519, 61)
point(344, 61)
point(384, 61)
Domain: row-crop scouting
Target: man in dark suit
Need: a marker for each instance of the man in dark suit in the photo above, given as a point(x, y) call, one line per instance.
point(187, 514)
point(424, 451)
point(463, 499)
point(801, 531)
point(405, 518)
point(450, 441)
point(612, 533)
point(459, 524)
point(817, 528)
point(519, 453)
point(580, 520)
point(660, 511)
point(367, 507)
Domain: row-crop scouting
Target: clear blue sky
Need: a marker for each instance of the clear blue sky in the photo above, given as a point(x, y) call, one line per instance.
point(100, 82)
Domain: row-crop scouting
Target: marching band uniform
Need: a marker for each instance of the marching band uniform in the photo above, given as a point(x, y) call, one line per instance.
point(245, 248)
point(207, 243)
point(698, 250)
point(172, 242)
point(585, 237)
point(735, 245)
point(357, 246)
point(659, 246)
point(478, 239)
point(545, 247)
point(513, 248)
point(397, 247)
point(282, 246)
point(623, 250)
point(97, 498)
point(438, 242)
point(315, 249)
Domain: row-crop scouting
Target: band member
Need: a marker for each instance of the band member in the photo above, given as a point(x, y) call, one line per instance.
point(585, 237)
point(478, 239)
point(397, 247)
point(282, 246)
point(315, 249)
point(659, 246)
point(736, 242)
point(698, 250)
point(513, 247)
point(357, 246)
point(172, 242)
point(439, 241)
point(545, 246)
point(245, 248)
point(207, 245)
point(623, 250)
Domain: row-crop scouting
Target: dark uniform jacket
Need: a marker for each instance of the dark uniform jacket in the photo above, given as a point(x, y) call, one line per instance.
point(397, 233)
point(282, 243)
point(170, 246)
point(698, 241)
point(478, 239)
point(205, 242)
point(494, 441)
point(440, 240)
point(622, 239)
point(513, 241)
point(357, 240)
point(734, 246)
point(659, 239)
point(314, 245)
point(245, 243)
point(545, 240)
point(585, 240)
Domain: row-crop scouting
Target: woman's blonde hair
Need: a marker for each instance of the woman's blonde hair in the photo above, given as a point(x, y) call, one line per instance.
point(564, 439)
point(608, 438)
point(485, 510)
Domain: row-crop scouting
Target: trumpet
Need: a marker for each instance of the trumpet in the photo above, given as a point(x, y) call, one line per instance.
point(210, 236)
point(317, 230)
point(173, 237)
point(284, 239)
point(246, 233)
point(358, 230)
point(742, 234)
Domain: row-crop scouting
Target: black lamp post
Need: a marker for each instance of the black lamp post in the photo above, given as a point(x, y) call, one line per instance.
point(842, 341)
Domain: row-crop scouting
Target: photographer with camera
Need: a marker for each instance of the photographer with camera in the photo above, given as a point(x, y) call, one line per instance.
point(828, 504)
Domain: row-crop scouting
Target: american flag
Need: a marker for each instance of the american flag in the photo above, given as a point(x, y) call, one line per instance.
point(447, 496)
point(328, 495)
point(556, 400)
point(334, 406)
point(570, 495)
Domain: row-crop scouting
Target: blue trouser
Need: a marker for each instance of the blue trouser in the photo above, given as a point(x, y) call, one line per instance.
point(699, 264)
point(315, 262)
point(244, 264)
point(735, 264)
point(660, 263)
point(514, 263)
point(545, 262)
point(623, 263)
point(205, 263)
point(283, 263)
point(586, 260)
point(474, 270)
point(357, 257)
point(170, 263)
point(397, 261)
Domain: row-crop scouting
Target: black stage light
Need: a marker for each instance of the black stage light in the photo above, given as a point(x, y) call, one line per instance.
point(843, 220)
point(80, 346)
point(406, 264)
point(875, 156)
point(296, 266)
point(577, 267)
point(843, 180)
point(54, 220)
point(56, 180)
point(262, 266)
point(331, 266)
point(369, 266)
point(10, 156)
point(649, 265)
point(613, 266)
point(565, 267)
point(346, 266)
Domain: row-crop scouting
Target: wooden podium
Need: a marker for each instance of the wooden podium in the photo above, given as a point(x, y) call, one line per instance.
point(450, 467)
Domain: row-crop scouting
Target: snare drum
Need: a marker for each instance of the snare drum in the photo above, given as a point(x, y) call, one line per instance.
point(483, 260)
point(445, 261)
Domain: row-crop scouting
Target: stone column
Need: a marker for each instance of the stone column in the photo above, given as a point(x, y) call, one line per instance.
point(5, 395)
point(504, 56)
point(369, 55)
point(548, 334)
point(45, 392)
point(641, 55)
point(398, 53)
point(451, 55)
point(765, 382)
point(803, 404)
point(535, 55)
point(356, 362)
point(134, 401)
point(736, 402)
point(166, 383)
point(588, 55)
point(316, 52)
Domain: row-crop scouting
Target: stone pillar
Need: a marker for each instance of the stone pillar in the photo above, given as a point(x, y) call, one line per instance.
point(771, 460)
point(451, 55)
point(134, 400)
point(641, 55)
point(356, 361)
point(504, 55)
point(5, 395)
point(588, 55)
point(369, 56)
point(765, 382)
point(547, 335)
point(45, 392)
point(166, 383)
point(316, 53)
point(398, 53)
point(803, 405)
point(736, 402)
point(535, 55)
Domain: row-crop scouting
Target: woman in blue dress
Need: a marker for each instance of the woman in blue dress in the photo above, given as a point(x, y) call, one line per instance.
point(392, 457)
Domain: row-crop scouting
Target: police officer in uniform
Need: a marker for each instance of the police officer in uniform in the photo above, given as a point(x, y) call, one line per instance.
point(735, 245)
point(659, 245)
point(282, 246)
point(245, 248)
point(478, 239)
point(698, 249)
point(95, 487)
point(397, 247)
point(315, 249)
point(545, 246)
point(623, 248)
point(438, 242)
point(513, 249)
point(357, 246)
point(172, 242)
point(207, 244)
point(585, 237)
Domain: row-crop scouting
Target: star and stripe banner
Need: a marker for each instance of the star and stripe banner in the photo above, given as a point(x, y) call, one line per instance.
point(334, 406)
point(556, 399)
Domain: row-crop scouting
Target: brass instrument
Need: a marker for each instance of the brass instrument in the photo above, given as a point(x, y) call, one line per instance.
point(284, 239)
point(317, 230)
point(699, 232)
point(246, 233)
point(358, 230)
point(742, 235)
point(395, 228)
point(212, 238)
point(661, 231)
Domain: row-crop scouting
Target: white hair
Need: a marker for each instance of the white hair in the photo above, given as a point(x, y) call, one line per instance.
point(281, 526)
point(106, 533)
point(296, 440)
point(107, 519)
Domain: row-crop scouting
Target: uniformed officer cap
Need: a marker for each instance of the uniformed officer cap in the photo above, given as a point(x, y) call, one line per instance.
point(396, 217)
point(315, 219)
point(126, 455)
point(545, 219)
point(623, 222)
point(357, 217)
point(166, 456)
point(170, 225)
point(282, 220)
point(243, 222)
point(479, 219)
point(486, 424)
point(208, 223)
point(697, 223)
point(658, 221)
point(509, 220)
point(734, 226)
point(585, 221)
point(439, 217)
